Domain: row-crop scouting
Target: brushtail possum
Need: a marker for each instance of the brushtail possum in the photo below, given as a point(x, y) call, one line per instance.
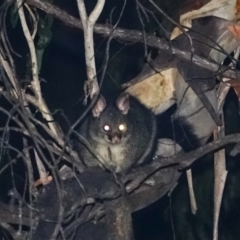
point(120, 134)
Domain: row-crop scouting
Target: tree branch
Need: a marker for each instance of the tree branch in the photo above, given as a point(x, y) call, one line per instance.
point(91, 87)
point(135, 36)
point(34, 64)
point(140, 174)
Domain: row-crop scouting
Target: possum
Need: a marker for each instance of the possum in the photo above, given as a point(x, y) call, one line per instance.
point(119, 134)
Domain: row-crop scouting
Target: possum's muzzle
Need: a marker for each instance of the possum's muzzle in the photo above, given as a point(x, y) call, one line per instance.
point(115, 138)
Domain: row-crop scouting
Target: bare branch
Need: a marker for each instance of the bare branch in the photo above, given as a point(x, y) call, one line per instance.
point(91, 86)
point(135, 36)
point(36, 83)
point(182, 161)
point(9, 73)
point(96, 12)
point(193, 202)
point(83, 13)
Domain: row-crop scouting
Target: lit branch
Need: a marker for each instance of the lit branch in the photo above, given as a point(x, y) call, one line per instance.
point(91, 85)
point(9, 73)
point(35, 83)
point(135, 36)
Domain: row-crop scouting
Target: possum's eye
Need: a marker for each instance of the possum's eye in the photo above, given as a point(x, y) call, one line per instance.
point(122, 127)
point(107, 128)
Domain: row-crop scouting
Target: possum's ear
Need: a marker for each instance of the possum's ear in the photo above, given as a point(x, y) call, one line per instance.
point(123, 103)
point(99, 106)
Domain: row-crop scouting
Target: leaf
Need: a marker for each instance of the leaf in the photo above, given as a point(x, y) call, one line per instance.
point(45, 37)
point(226, 9)
point(44, 32)
point(156, 92)
point(235, 84)
point(235, 30)
point(14, 15)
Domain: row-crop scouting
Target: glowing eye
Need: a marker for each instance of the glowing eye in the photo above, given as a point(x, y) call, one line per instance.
point(107, 128)
point(121, 127)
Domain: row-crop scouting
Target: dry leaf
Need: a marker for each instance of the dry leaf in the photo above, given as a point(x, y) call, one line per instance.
point(235, 30)
point(226, 9)
point(235, 84)
point(156, 92)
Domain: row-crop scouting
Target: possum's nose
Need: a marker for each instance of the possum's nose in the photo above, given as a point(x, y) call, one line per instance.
point(115, 138)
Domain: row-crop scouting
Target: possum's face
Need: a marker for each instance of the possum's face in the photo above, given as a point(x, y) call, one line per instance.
point(112, 125)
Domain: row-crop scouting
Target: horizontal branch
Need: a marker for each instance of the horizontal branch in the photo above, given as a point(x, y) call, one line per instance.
point(192, 156)
point(134, 36)
point(139, 175)
point(185, 160)
point(12, 215)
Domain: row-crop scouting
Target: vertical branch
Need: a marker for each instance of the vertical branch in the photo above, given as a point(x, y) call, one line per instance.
point(220, 171)
point(193, 202)
point(220, 176)
point(35, 82)
point(91, 85)
point(119, 220)
point(9, 73)
point(30, 178)
point(43, 175)
point(36, 87)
